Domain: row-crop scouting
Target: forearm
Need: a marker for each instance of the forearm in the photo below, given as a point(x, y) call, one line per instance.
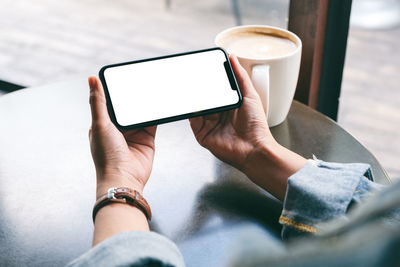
point(270, 167)
point(116, 218)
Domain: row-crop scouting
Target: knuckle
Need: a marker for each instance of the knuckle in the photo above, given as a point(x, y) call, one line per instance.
point(92, 98)
point(98, 125)
point(95, 96)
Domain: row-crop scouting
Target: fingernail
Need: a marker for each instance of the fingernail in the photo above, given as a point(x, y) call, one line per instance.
point(92, 93)
point(91, 83)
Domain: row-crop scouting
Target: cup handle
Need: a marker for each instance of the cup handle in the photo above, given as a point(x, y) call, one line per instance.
point(260, 78)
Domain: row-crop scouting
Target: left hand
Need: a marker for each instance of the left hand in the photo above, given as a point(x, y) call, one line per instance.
point(121, 159)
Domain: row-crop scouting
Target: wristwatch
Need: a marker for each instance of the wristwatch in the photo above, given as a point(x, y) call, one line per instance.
point(122, 195)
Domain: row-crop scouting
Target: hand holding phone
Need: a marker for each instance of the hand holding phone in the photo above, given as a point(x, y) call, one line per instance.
point(241, 138)
point(233, 135)
point(158, 90)
point(121, 159)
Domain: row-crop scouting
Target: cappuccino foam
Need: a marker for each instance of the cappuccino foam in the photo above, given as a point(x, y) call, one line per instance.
point(257, 45)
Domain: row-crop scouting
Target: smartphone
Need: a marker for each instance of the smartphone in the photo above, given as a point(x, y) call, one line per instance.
point(164, 89)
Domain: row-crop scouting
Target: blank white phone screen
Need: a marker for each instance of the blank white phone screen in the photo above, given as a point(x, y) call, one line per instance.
point(168, 87)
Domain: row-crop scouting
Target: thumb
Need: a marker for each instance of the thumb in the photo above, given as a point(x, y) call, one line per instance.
point(243, 79)
point(97, 102)
point(196, 124)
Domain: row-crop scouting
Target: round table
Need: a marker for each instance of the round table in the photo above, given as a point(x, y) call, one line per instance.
point(47, 179)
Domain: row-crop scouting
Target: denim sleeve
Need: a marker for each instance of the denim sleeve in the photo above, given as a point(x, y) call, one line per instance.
point(321, 191)
point(132, 249)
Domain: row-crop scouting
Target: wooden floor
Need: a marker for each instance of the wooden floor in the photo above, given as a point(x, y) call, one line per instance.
point(43, 41)
point(370, 98)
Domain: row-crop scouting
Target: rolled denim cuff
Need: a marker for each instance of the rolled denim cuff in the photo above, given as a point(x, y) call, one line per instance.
point(321, 191)
point(134, 248)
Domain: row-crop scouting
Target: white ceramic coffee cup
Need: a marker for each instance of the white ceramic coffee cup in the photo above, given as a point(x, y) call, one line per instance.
point(275, 78)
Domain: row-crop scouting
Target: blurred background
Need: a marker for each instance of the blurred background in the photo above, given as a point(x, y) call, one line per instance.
point(43, 41)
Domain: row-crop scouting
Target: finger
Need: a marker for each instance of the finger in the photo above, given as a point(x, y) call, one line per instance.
point(243, 79)
point(97, 102)
point(151, 130)
point(196, 123)
point(212, 117)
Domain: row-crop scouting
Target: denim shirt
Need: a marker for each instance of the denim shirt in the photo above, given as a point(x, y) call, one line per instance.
point(323, 224)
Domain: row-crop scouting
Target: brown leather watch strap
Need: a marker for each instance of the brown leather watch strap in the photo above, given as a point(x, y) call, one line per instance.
point(122, 195)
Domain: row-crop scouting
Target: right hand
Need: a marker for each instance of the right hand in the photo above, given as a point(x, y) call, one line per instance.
point(233, 135)
point(242, 138)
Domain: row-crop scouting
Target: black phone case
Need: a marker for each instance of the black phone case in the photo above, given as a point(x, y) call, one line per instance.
point(229, 72)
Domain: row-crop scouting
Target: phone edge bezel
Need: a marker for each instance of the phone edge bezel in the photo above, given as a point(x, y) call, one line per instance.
point(110, 107)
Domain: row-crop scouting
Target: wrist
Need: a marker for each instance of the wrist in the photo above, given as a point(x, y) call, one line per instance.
point(104, 182)
point(270, 165)
point(262, 153)
point(122, 195)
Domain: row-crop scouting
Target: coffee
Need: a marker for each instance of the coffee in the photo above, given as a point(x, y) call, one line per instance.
point(271, 57)
point(251, 44)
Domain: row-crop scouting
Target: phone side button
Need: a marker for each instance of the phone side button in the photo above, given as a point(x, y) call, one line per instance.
point(229, 72)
